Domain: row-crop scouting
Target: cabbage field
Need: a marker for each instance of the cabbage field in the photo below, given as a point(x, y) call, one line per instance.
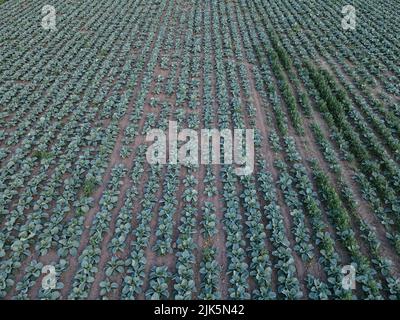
point(84, 215)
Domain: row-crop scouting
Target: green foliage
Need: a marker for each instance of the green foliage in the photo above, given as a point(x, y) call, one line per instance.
point(89, 187)
point(42, 155)
point(159, 277)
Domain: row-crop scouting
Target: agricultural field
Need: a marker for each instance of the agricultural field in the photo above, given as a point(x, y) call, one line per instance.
point(85, 215)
